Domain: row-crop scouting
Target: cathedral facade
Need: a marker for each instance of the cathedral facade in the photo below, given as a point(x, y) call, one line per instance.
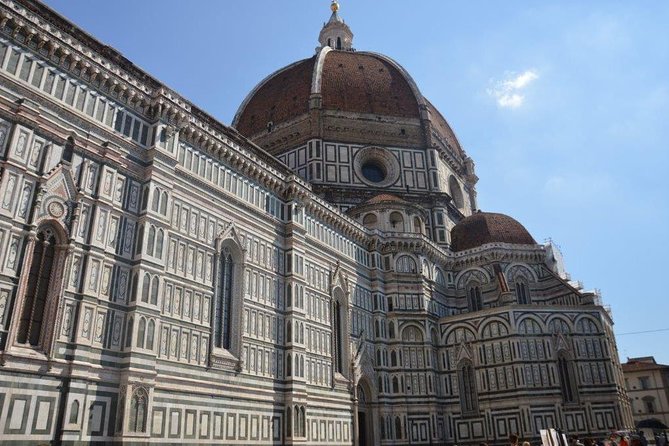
point(316, 273)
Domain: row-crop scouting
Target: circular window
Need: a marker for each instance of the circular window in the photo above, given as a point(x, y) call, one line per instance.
point(375, 166)
point(373, 171)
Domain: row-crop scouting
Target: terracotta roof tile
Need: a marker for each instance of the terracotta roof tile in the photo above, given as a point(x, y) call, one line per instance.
point(488, 227)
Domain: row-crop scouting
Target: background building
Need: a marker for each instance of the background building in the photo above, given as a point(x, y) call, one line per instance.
point(647, 384)
point(328, 280)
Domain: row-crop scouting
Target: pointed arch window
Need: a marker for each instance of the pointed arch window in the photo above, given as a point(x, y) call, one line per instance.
point(141, 330)
point(338, 337)
point(567, 378)
point(521, 293)
point(41, 279)
point(128, 334)
point(222, 333)
point(149, 334)
point(146, 285)
point(154, 291)
point(138, 411)
point(468, 395)
point(474, 301)
point(74, 412)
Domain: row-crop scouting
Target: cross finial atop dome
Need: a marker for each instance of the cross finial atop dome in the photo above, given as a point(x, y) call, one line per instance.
point(335, 33)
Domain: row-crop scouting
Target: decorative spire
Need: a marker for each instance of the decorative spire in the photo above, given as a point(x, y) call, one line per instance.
point(335, 33)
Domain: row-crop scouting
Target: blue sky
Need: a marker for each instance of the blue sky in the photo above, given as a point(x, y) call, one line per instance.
point(564, 108)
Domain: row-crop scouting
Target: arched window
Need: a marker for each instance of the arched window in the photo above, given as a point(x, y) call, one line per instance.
point(74, 412)
point(141, 331)
point(156, 200)
point(151, 241)
point(140, 240)
point(159, 244)
point(406, 264)
point(223, 325)
point(339, 366)
point(396, 221)
point(133, 287)
point(439, 278)
point(289, 422)
point(289, 332)
point(393, 358)
point(396, 385)
point(338, 43)
point(128, 333)
point(146, 285)
point(40, 281)
point(154, 291)
point(398, 428)
point(163, 203)
point(567, 378)
point(417, 225)
point(391, 330)
point(138, 410)
point(289, 295)
point(370, 220)
point(456, 192)
point(521, 293)
point(149, 334)
point(289, 365)
point(468, 396)
point(474, 301)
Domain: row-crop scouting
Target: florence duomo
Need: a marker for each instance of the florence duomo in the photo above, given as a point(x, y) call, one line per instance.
point(316, 273)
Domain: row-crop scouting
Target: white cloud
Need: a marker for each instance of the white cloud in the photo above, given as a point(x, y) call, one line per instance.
point(508, 93)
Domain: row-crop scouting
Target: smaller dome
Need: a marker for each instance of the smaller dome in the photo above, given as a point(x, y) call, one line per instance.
point(488, 227)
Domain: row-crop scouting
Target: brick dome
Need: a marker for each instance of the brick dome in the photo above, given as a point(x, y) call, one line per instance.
point(488, 227)
point(331, 90)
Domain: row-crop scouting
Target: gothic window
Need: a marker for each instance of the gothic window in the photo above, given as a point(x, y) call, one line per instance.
point(396, 385)
point(289, 422)
point(141, 330)
point(138, 411)
point(439, 278)
point(74, 412)
point(391, 330)
point(338, 43)
point(521, 293)
point(140, 240)
point(146, 285)
point(150, 243)
point(474, 301)
point(222, 333)
point(468, 396)
point(289, 332)
point(163, 203)
point(393, 358)
point(337, 328)
point(42, 278)
point(149, 334)
point(154, 291)
point(417, 225)
point(159, 244)
point(456, 192)
point(156, 200)
point(405, 264)
point(398, 428)
point(567, 378)
point(128, 334)
point(133, 288)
